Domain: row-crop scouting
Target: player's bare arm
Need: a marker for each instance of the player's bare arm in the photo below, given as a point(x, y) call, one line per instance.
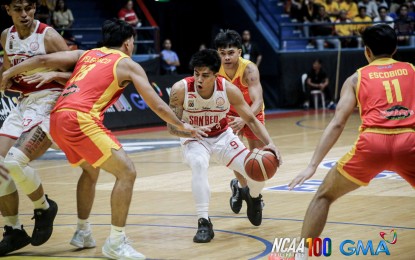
point(236, 99)
point(345, 108)
point(252, 80)
point(53, 43)
point(64, 60)
point(6, 63)
point(176, 104)
point(128, 70)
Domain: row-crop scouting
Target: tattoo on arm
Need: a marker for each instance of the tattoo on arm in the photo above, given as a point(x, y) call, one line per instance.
point(178, 111)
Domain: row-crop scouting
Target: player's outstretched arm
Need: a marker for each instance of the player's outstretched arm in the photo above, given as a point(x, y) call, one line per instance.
point(128, 70)
point(64, 60)
point(344, 109)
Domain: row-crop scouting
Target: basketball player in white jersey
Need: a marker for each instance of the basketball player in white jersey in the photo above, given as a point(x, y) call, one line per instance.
point(23, 136)
point(204, 100)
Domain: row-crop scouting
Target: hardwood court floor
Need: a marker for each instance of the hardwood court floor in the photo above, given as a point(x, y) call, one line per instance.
point(162, 220)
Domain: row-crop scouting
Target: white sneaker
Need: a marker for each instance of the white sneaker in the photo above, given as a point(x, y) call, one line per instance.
point(120, 250)
point(83, 239)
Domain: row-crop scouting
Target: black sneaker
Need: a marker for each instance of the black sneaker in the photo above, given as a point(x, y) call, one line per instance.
point(44, 223)
point(13, 239)
point(236, 199)
point(254, 207)
point(204, 231)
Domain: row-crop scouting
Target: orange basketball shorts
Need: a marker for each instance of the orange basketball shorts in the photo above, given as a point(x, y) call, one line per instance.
point(82, 137)
point(374, 153)
point(247, 132)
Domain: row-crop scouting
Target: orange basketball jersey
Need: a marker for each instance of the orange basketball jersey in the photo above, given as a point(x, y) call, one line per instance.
point(386, 94)
point(237, 81)
point(95, 93)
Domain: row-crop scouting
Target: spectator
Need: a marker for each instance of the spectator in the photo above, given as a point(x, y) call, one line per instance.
point(43, 14)
point(404, 25)
point(62, 17)
point(359, 28)
point(250, 50)
point(371, 7)
point(325, 29)
point(350, 7)
point(317, 79)
point(295, 10)
point(332, 9)
point(309, 10)
point(344, 29)
point(169, 59)
point(128, 14)
point(384, 17)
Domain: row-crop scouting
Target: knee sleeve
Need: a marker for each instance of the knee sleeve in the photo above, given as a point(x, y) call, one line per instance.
point(6, 186)
point(24, 176)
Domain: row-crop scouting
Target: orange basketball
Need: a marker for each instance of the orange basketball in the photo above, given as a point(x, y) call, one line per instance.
point(261, 165)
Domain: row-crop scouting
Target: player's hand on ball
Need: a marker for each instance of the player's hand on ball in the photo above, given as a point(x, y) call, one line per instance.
point(273, 149)
point(302, 177)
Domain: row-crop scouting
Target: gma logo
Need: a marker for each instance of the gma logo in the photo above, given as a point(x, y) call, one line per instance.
point(349, 247)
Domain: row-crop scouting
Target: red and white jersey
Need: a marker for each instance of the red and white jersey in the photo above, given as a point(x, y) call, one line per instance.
point(206, 112)
point(19, 50)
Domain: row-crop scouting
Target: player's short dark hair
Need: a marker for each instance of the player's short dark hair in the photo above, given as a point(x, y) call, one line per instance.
point(206, 58)
point(228, 38)
point(380, 39)
point(115, 32)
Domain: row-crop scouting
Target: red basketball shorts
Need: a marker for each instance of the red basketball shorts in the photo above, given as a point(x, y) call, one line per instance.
point(82, 137)
point(247, 132)
point(374, 153)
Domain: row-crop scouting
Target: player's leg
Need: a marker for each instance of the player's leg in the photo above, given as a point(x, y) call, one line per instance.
point(28, 147)
point(116, 245)
point(333, 187)
point(233, 156)
point(85, 195)
point(14, 236)
point(197, 157)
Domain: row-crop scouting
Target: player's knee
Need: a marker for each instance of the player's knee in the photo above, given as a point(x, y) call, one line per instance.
point(23, 175)
point(198, 163)
point(15, 161)
point(7, 187)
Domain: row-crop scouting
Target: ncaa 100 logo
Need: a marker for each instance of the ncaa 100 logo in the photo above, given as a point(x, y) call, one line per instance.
point(287, 248)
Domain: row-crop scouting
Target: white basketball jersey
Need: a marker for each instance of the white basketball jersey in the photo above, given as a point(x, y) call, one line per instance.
point(206, 112)
point(19, 50)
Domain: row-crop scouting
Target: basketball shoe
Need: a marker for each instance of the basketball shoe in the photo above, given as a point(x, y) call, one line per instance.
point(236, 198)
point(83, 239)
point(204, 231)
point(13, 239)
point(254, 207)
point(120, 250)
point(44, 223)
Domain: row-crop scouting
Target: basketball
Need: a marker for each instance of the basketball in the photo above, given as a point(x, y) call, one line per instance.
point(261, 165)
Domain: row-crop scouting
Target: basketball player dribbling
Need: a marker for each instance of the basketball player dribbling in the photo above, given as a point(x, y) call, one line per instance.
point(204, 100)
point(245, 75)
point(384, 92)
point(24, 133)
point(84, 139)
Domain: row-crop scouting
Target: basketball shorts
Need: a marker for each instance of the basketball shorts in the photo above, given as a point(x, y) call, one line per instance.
point(31, 111)
point(246, 131)
point(374, 153)
point(226, 149)
point(82, 137)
